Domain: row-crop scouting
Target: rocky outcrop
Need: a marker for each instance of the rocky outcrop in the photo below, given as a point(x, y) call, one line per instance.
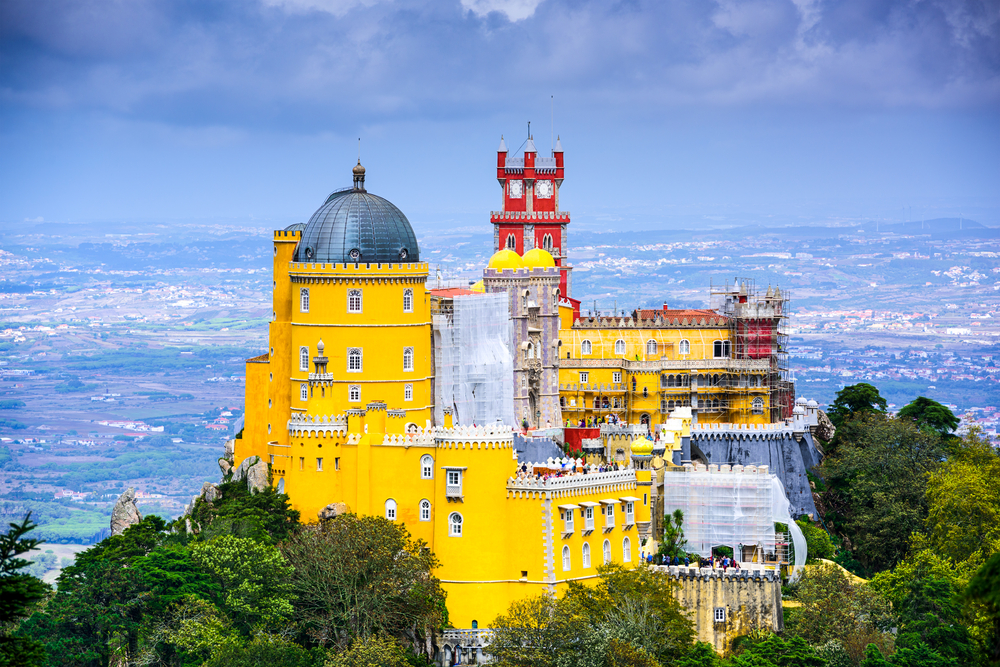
point(332, 510)
point(254, 470)
point(227, 469)
point(125, 513)
point(825, 429)
point(210, 492)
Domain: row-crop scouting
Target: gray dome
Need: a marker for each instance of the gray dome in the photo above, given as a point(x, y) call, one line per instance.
point(354, 226)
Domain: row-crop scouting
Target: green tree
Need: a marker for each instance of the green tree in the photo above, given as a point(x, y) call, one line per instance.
point(253, 580)
point(818, 542)
point(265, 516)
point(19, 592)
point(777, 652)
point(835, 608)
point(359, 576)
point(371, 651)
point(854, 400)
point(928, 413)
point(673, 542)
point(877, 480)
point(265, 651)
point(984, 588)
point(963, 497)
point(629, 617)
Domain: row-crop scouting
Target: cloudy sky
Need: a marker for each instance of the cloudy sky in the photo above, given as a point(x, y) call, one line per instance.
point(671, 112)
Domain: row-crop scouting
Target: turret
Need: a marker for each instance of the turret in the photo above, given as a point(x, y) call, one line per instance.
point(557, 153)
point(501, 162)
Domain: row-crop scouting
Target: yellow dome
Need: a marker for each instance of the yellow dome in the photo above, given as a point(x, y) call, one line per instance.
point(642, 446)
point(506, 259)
point(537, 259)
point(478, 287)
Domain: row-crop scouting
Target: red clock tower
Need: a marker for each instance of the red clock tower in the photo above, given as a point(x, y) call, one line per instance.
point(529, 216)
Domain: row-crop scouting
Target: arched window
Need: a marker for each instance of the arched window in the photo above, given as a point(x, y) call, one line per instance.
point(586, 347)
point(511, 242)
point(303, 358)
point(354, 393)
point(547, 242)
point(425, 510)
point(586, 555)
point(650, 347)
point(562, 401)
point(281, 485)
point(567, 561)
point(717, 349)
point(354, 301)
point(390, 509)
point(426, 467)
point(354, 360)
point(407, 300)
point(407, 358)
point(303, 392)
point(529, 353)
point(408, 392)
point(670, 405)
point(627, 550)
point(455, 524)
point(684, 347)
point(715, 404)
point(645, 392)
point(757, 407)
point(304, 300)
point(619, 346)
point(607, 552)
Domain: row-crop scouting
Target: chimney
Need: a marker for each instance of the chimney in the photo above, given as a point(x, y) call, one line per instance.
point(666, 307)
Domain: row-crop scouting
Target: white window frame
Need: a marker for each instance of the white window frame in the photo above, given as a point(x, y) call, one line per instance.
point(303, 299)
point(620, 347)
point(319, 464)
point(719, 349)
point(426, 467)
point(355, 301)
point(684, 347)
point(408, 392)
point(720, 615)
point(757, 405)
point(584, 377)
point(303, 392)
point(626, 550)
point(586, 347)
point(616, 377)
point(425, 510)
point(651, 346)
point(304, 358)
point(407, 359)
point(390, 509)
point(568, 521)
point(609, 516)
point(407, 300)
point(567, 558)
point(352, 354)
point(455, 527)
point(354, 393)
point(511, 242)
point(586, 555)
point(588, 518)
point(606, 551)
point(454, 478)
point(629, 513)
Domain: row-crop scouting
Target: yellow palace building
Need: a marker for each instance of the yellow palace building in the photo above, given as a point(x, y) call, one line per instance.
point(341, 408)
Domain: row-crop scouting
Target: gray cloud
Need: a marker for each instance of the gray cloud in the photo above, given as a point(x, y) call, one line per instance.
point(302, 64)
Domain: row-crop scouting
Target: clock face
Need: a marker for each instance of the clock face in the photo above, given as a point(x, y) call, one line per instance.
point(543, 189)
point(515, 189)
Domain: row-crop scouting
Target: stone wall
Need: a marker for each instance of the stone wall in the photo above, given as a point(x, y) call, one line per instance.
point(749, 600)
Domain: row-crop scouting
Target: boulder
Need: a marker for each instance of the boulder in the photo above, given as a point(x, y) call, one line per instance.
point(226, 467)
point(254, 470)
point(210, 492)
point(825, 429)
point(332, 510)
point(125, 512)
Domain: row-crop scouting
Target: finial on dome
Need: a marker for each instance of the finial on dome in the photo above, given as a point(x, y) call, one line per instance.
point(359, 177)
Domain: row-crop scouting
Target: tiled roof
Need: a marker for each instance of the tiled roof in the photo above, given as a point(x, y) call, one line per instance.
point(653, 313)
point(452, 291)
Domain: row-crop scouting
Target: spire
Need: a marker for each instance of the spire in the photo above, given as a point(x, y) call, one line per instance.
point(503, 145)
point(558, 148)
point(529, 147)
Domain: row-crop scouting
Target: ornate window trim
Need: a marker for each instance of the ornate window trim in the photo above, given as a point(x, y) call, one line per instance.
point(355, 301)
point(355, 360)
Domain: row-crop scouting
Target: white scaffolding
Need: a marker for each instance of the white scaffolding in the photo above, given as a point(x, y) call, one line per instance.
point(732, 506)
point(473, 366)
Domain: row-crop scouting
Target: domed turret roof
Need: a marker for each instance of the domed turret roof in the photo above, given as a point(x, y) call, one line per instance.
point(354, 226)
point(506, 259)
point(537, 259)
point(642, 447)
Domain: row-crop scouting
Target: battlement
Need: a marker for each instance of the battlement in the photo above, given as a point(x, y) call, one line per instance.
point(303, 425)
point(717, 322)
point(574, 483)
point(726, 468)
point(287, 235)
point(450, 437)
point(524, 216)
point(416, 268)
